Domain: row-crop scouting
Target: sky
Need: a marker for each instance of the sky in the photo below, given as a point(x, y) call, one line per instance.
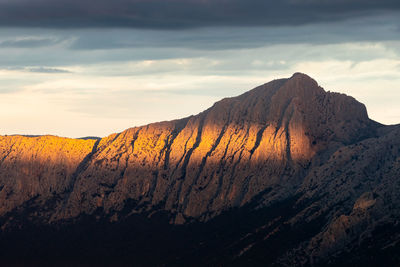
point(91, 68)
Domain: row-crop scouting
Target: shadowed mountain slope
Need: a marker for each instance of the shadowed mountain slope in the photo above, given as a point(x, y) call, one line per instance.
point(298, 169)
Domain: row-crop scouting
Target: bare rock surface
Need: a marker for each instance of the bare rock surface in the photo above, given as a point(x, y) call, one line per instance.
point(38, 166)
point(319, 173)
point(221, 158)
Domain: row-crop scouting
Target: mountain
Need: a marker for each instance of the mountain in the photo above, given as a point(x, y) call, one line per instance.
point(285, 174)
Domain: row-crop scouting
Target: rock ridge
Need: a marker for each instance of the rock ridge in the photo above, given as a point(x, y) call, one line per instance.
point(286, 174)
point(198, 166)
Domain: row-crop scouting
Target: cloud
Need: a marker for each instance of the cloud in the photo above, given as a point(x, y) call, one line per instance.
point(82, 77)
point(9, 90)
point(46, 70)
point(374, 28)
point(69, 47)
point(173, 14)
point(28, 42)
point(36, 69)
point(101, 98)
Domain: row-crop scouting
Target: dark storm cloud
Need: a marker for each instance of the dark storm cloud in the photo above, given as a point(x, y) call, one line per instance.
point(171, 14)
point(223, 38)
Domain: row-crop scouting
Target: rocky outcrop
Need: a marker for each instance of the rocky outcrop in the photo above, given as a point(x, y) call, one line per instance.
point(320, 175)
point(223, 157)
point(38, 166)
point(358, 190)
point(197, 166)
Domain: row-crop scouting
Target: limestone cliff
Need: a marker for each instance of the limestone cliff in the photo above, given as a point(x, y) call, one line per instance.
point(38, 166)
point(193, 167)
point(304, 173)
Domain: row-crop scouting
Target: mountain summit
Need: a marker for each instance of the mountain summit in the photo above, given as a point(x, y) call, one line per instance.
point(299, 170)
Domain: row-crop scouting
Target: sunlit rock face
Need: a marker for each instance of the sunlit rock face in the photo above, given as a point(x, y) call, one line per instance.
point(194, 167)
point(286, 174)
point(222, 157)
point(38, 166)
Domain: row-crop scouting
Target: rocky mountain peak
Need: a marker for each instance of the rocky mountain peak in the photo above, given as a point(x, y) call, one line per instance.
point(201, 165)
point(286, 173)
